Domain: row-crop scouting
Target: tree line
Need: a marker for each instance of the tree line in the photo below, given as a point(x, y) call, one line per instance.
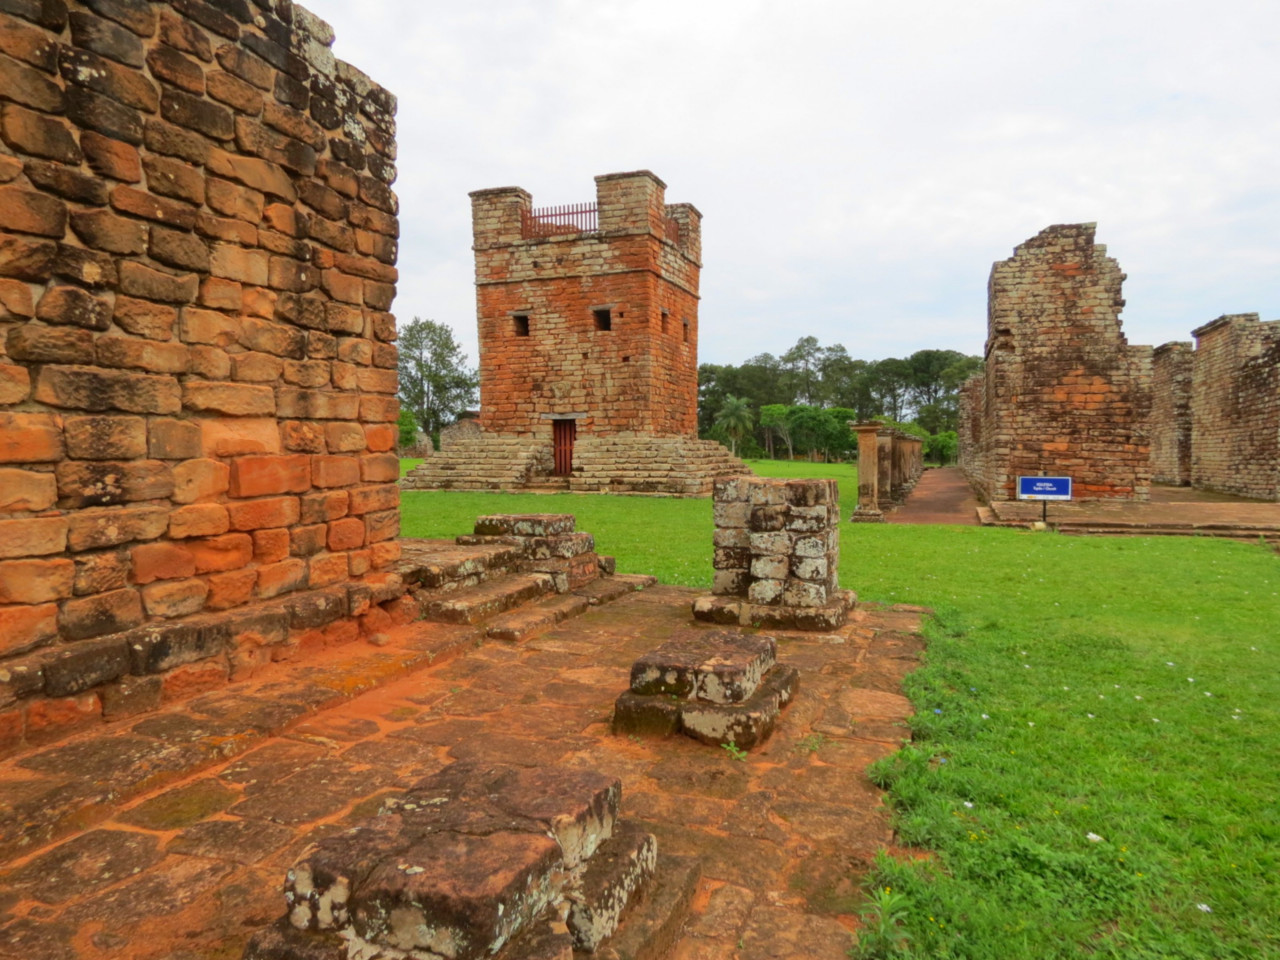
point(797, 404)
point(801, 401)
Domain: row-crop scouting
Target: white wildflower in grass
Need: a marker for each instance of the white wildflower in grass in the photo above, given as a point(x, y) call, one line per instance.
point(969, 804)
point(1031, 723)
point(1155, 719)
point(985, 717)
point(1027, 666)
point(1136, 697)
point(1168, 663)
point(1093, 838)
point(1089, 715)
point(1191, 679)
point(1204, 908)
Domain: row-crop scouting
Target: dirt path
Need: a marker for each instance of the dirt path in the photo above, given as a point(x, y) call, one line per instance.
point(942, 495)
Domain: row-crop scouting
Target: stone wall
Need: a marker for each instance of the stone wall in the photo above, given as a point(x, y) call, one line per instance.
point(1062, 391)
point(543, 351)
point(1235, 427)
point(1170, 427)
point(197, 365)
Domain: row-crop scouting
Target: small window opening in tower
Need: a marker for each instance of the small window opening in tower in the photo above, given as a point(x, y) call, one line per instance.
point(666, 318)
point(604, 318)
point(685, 321)
point(522, 324)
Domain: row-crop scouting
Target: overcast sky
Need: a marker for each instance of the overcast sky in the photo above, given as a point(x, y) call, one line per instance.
point(859, 166)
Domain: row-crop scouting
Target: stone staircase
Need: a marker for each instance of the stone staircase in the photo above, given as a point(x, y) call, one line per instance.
point(639, 463)
point(484, 462)
point(515, 575)
point(622, 463)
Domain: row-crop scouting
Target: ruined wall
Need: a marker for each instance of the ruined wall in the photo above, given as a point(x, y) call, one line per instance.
point(541, 352)
point(1235, 429)
point(1170, 427)
point(1062, 391)
point(197, 367)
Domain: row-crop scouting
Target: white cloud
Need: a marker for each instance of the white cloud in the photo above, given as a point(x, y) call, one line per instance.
point(859, 165)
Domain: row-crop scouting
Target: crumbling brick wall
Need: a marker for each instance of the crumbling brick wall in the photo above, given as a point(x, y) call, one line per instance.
point(1235, 430)
point(1062, 391)
point(1170, 427)
point(197, 365)
point(544, 351)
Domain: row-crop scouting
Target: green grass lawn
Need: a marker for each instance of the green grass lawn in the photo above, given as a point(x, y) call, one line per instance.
point(1121, 688)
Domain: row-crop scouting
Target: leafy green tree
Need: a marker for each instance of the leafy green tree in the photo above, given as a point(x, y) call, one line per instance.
point(735, 419)
point(773, 419)
point(407, 424)
point(435, 382)
point(942, 447)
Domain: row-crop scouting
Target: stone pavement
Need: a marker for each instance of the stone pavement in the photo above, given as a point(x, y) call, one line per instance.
point(941, 495)
point(170, 837)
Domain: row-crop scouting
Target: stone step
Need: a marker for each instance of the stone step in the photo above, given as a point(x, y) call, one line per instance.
point(487, 599)
point(608, 589)
point(653, 924)
point(440, 564)
point(571, 573)
point(525, 524)
point(72, 785)
point(522, 622)
point(622, 866)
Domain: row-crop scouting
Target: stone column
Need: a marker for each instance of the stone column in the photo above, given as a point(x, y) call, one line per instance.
point(884, 468)
point(868, 510)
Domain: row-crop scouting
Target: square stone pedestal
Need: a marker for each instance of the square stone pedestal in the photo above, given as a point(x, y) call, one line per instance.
point(718, 687)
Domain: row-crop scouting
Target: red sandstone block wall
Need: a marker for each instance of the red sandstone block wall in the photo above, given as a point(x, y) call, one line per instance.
point(1235, 430)
point(1062, 391)
point(1171, 413)
point(197, 362)
point(640, 375)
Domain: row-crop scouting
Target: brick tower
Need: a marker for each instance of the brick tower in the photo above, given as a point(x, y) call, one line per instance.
point(588, 328)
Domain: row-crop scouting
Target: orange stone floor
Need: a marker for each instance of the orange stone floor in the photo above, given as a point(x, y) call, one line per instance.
point(168, 835)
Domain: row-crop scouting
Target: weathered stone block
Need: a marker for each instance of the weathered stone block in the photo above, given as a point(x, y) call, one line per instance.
point(106, 438)
point(622, 867)
point(745, 724)
point(29, 438)
point(716, 666)
point(75, 307)
point(100, 615)
point(95, 388)
point(107, 527)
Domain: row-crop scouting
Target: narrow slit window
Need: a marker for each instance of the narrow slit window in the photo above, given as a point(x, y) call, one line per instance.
point(521, 324)
point(604, 318)
point(685, 322)
point(666, 320)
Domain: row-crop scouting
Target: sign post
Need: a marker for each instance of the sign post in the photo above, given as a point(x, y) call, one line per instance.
point(1044, 489)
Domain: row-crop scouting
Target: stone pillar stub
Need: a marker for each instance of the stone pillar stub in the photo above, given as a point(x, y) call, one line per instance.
point(777, 549)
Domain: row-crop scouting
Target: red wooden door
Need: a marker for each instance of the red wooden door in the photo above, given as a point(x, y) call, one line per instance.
point(562, 434)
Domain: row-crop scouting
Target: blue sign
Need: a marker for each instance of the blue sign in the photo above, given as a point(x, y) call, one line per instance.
point(1044, 488)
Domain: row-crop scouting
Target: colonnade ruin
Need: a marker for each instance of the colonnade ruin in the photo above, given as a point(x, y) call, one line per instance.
point(1063, 392)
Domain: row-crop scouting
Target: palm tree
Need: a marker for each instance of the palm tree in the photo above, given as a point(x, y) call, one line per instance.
point(735, 419)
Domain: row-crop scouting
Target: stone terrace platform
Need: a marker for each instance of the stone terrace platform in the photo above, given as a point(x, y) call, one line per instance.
point(170, 836)
point(1172, 511)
